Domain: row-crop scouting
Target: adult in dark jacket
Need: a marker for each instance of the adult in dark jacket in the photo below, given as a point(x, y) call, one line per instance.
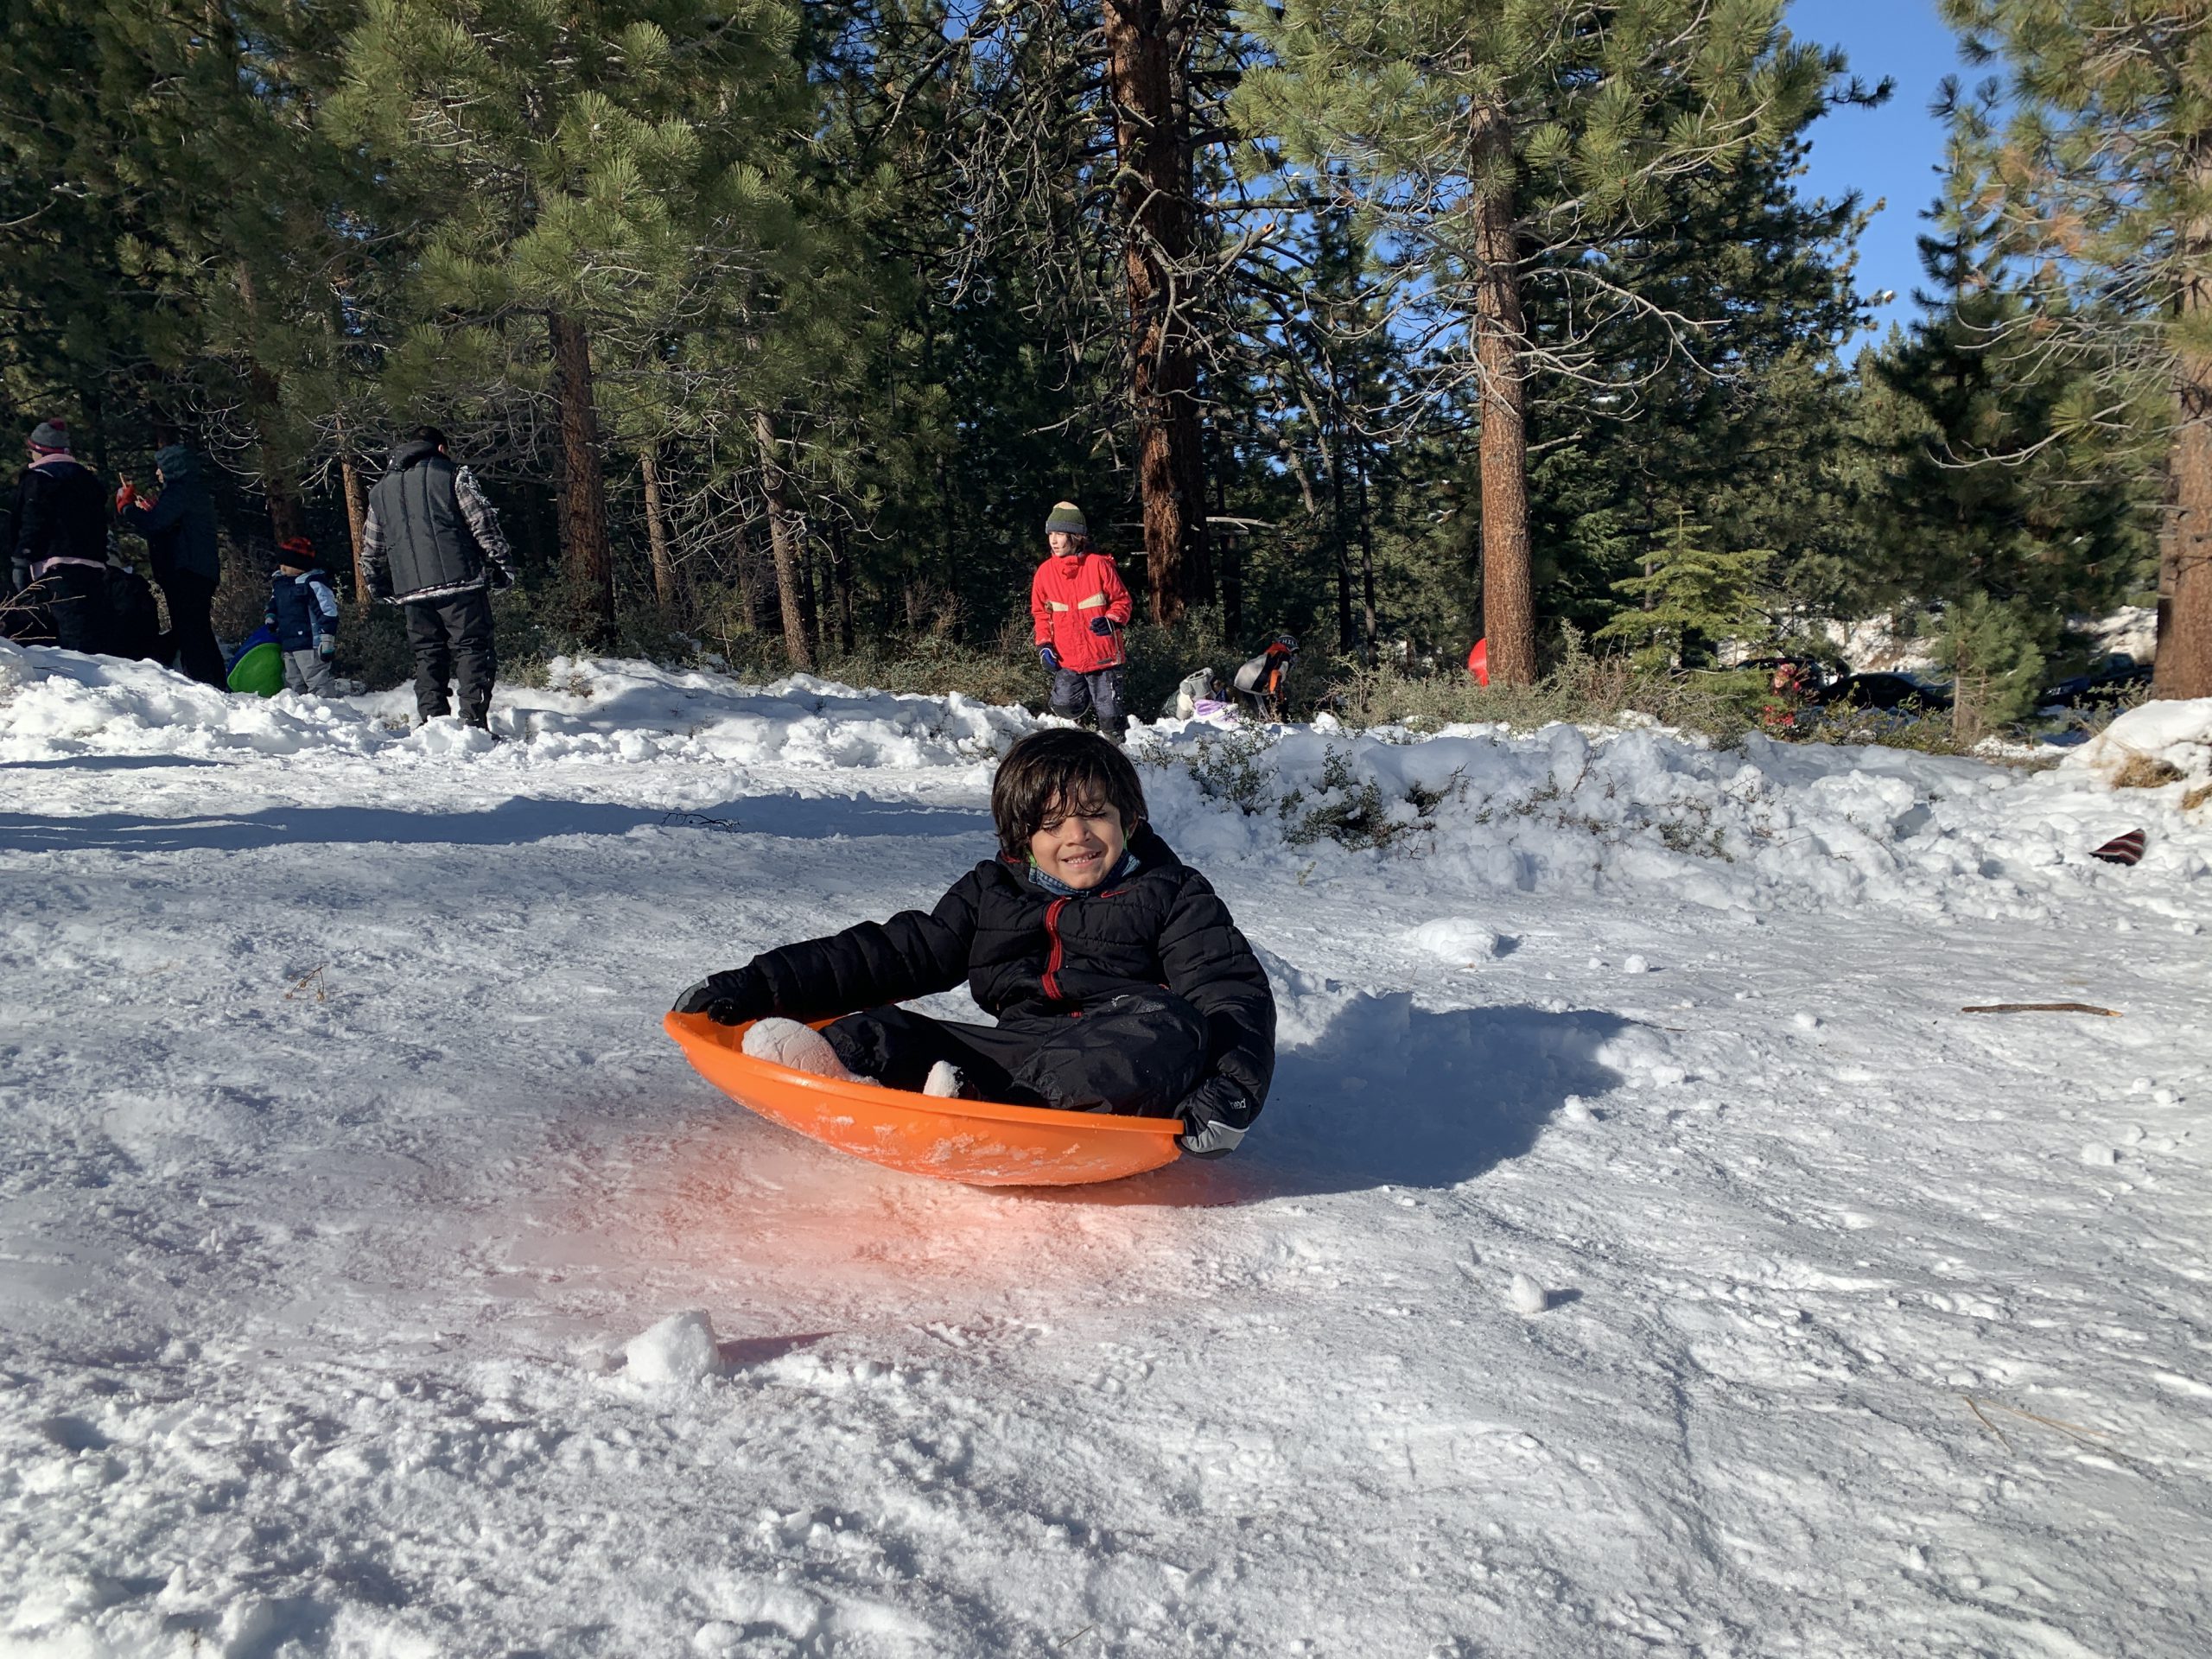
point(432, 543)
point(179, 525)
point(60, 544)
point(1118, 979)
point(134, 621)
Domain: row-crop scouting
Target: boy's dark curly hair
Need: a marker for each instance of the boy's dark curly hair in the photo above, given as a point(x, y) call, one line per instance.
point(1047, 773)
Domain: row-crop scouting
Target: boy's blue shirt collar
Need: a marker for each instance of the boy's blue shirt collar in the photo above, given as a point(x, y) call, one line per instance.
point(1059, 889)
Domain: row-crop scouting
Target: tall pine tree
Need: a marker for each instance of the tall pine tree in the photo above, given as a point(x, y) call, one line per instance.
point(1507, 152)
point(2092, 148)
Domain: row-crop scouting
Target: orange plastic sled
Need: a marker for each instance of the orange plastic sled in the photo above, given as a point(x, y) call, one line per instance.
point(976, 1141)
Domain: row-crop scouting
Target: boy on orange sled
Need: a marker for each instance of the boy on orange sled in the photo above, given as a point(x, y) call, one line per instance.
point(1118, 981)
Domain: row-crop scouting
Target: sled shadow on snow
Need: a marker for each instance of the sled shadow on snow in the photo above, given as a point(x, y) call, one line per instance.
point(1392, 1095)
point(510, 824)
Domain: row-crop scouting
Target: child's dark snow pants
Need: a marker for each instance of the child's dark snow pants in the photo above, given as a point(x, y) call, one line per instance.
point(1099, 690)
point(1137, 1055)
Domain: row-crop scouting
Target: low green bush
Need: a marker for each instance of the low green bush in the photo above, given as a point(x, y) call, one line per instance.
point(1581, 689)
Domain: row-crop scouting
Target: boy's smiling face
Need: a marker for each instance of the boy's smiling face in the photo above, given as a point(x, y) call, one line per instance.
point(1082, 847)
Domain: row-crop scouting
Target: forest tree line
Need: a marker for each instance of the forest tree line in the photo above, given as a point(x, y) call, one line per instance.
point(1395, 323)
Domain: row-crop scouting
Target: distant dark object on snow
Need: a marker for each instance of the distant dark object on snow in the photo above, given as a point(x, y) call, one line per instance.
point(1883, 691)
point(2122, 849)
point(2107, 681)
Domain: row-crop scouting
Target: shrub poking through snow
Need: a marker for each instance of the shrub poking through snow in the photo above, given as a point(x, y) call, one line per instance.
point(1232, 767)
point(2146, 772)
point(1345, 803)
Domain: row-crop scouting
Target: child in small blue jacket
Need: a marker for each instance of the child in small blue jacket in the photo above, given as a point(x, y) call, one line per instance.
point(304, 614)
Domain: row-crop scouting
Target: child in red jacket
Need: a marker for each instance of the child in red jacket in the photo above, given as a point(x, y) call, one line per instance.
point(1080, 608)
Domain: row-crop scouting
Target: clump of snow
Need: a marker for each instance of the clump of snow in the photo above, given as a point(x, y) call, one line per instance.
point(680, 1349)
point(1455, 938)
point(1635, 964)
point(1524, 1295)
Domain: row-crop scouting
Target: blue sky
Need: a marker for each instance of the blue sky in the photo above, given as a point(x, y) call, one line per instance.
point(1890, 152)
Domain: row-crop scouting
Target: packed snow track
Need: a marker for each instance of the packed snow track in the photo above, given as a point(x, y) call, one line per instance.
point(1642, 1252)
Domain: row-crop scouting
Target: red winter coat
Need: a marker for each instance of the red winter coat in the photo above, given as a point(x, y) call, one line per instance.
point(1066, 596)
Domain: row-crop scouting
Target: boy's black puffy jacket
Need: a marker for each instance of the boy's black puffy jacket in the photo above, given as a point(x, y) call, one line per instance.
point(1028, 956)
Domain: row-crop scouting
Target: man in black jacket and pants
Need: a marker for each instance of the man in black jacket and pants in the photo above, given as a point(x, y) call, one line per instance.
point(432, 543)
point(61, 540)
point(179, 525)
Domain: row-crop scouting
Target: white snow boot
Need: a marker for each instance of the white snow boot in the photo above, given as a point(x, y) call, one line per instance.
point(786, 1042)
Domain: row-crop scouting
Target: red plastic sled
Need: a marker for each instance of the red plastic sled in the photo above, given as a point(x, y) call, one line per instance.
point(975, 1142)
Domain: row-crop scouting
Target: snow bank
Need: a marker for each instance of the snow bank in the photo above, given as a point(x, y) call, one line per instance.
point(1569, 810)
point(54, 704)
point(1559, 810)
point(2179, 733)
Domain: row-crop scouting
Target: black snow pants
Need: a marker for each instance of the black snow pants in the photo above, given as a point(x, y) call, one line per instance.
point(192, 634)
point(452, 639)
point(77, 594)
point(1100, 691)
point(1138, 1055)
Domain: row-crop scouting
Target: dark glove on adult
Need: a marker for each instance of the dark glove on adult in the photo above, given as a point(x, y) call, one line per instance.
point(1215, 1115)
point(729, 999)
point(1050, 657)
point(502, 578)
point(1102, 625)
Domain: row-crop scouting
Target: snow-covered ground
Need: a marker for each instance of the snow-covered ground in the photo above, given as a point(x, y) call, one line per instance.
point(1642, 1253)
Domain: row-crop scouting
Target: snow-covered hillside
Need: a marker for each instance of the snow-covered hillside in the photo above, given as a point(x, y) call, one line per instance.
point(1641, 1253)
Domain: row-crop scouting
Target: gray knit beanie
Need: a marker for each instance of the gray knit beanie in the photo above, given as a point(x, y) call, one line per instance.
point(1066, 518)
point(51, 434)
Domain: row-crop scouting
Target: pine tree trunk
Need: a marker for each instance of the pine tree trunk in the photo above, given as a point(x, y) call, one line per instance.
point(1152, 145)
point(287, 517)
point(583, 487)
point(665, 590)
point(783, 544)
point(1366, 568)
point(2184, 660)
point(748, 598)
point(1509, 595)
point(809, 607)
point(357, 520)
point(841, 581)
point(1347, 642)
point(264, 399)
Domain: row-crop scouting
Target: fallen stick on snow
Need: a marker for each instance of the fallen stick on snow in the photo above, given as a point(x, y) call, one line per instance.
point(2096, 1439)
point(2042, 1008)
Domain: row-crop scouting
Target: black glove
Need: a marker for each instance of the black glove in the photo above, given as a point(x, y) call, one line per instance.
point(1215, 1116)
point(729, 999)
point(1102, 625)
point(380, 589)
point(1050, 657)
point(502, 578)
